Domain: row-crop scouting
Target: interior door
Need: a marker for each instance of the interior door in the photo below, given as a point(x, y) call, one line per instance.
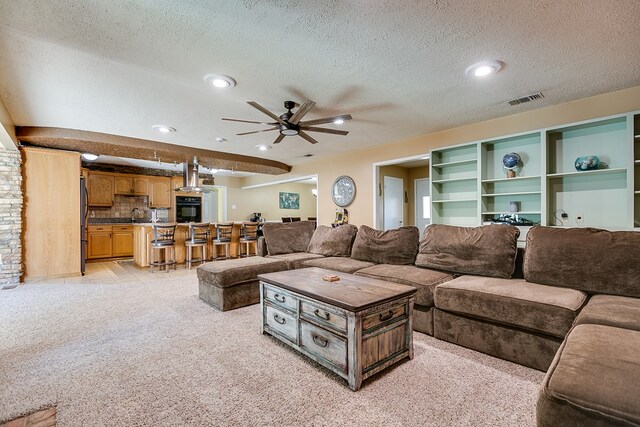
point(393, 204)
point(422, 203)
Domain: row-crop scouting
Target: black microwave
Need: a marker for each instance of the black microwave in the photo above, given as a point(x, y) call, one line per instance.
point(188, 209)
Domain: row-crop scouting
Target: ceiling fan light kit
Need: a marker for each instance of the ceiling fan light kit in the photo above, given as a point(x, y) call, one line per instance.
point(290, 124)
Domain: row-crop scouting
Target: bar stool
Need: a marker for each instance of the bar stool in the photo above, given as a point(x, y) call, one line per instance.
point(248, 235)
point(223, 238)
point(198, 238)
point(163, 240)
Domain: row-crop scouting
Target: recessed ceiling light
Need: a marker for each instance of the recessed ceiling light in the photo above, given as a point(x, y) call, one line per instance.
point(89, 156)
point(263, 147)
point(218, 139)
point(164, 128)
point(338, 121)
point(220, 81)
point(484, 68)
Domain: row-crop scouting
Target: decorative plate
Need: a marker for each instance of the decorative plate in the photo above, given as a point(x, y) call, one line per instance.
point(343, 191)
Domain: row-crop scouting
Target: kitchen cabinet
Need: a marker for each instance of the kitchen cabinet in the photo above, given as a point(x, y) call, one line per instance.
point(131, 185)
point(122, 241)
point(100, 188)
point(160, 192)
point(99, 245)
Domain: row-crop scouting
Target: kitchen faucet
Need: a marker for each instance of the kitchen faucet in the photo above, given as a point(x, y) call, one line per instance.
point(133, 214)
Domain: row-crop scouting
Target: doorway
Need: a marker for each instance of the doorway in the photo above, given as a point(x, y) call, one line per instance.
point(406, 170)
point(392, 202)
point(422, 203)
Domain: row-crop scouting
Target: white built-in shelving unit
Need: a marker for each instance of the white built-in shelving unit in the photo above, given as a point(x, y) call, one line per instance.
point(470, 185)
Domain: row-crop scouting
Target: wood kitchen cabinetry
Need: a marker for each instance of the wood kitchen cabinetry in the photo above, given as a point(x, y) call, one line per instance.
point(100, 187)
point(159, 192)
point(128, 185)
point(122, 241)
point(106, 241)
point(99, 242)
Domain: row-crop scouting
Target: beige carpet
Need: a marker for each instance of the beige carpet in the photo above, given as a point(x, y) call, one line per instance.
point(151, 353)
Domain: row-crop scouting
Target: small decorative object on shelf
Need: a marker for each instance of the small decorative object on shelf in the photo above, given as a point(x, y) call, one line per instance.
point(511, 162)
point(331, 278)
point(587, 163)
point(514, 206)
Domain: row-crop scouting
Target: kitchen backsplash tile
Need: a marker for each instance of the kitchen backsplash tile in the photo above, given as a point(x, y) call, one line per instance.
point(122, 209)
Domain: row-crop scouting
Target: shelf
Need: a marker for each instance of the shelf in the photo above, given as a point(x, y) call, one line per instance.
point(593, 172)
point(517, 178)
point(454, 200)
point(636, 192)
point(515, 193)
point(456, 163)
point(513, 213)
point(445, 181)
point(637, 162)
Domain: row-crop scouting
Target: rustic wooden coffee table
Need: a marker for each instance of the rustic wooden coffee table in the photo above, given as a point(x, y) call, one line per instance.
point(355, 327)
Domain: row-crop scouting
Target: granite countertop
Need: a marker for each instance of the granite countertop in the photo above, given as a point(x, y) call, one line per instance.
point(110, 221)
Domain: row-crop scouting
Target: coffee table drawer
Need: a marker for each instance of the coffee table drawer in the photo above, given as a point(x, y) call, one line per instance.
point(325, 344)
point(382, 316)
point(325, 317)
point(283, 299)
point(281, 323)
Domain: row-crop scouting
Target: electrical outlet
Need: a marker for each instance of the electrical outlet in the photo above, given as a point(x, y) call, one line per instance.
point(579, 218)
point(93, 214)
point(564, 218)
point(117, 214)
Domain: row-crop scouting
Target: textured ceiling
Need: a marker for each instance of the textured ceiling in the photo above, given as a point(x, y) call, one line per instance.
point(121, 66)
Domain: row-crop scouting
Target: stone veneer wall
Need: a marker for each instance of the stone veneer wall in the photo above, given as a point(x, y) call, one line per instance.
point(10, 217)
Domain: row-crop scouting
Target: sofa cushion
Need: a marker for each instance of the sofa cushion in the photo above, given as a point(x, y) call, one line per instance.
point(235, 271)
point(423, 279)
point(592, 260)
point(513, 302)
point(295, 260)
point(488, 250)
point(611, 310)
point(594, 379)
point(333, 241)
point(398, 246)
point(345, 265)
point(287, 237)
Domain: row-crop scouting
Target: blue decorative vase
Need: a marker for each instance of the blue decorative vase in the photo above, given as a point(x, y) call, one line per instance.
point(587, 163)
point(511, 160)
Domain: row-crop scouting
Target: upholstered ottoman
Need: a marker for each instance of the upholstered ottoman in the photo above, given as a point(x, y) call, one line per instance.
point(233, 283)
point(594, 380)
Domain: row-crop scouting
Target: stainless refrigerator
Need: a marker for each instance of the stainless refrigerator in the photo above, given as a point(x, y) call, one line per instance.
point(84, 213)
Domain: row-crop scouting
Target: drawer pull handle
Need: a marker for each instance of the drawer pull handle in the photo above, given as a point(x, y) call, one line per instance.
point(319, 341)
point(387, 316)
point(279, 319)
point(324, 316)
point(279, 298)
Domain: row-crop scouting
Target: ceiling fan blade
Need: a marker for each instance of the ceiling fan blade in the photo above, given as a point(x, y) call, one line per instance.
point(300, 112)
point(343, 117)
point(307, 137)
point(278, 139)
point(259, 107)
point(257, 131)
point(325, 130)
point(248, 121)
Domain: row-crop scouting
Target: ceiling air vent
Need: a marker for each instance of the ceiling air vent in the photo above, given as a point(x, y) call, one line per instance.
point(528, 98)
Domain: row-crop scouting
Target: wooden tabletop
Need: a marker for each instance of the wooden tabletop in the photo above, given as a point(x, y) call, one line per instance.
point(351, 292)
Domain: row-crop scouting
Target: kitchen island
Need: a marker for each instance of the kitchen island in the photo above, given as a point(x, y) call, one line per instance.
point(143, 235)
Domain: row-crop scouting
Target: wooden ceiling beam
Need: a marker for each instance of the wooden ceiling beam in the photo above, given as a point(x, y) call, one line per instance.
point(143, 149)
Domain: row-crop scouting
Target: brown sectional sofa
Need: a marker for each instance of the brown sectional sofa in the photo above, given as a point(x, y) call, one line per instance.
point(570, 305)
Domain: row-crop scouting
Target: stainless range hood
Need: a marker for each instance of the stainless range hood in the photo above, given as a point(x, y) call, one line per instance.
point(190, 178)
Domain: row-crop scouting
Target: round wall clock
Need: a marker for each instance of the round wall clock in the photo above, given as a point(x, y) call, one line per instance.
point(343, 191)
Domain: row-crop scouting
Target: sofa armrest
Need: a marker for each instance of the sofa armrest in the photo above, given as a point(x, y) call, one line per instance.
point(262, 246)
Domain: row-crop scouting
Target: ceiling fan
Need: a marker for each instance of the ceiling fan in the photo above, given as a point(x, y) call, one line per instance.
point(290, 124)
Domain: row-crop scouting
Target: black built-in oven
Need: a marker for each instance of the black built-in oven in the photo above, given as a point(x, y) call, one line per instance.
point(188, 209)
